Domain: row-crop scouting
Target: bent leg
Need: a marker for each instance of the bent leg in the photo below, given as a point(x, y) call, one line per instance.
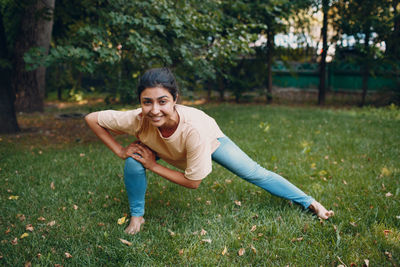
point(136, 184)
point(234, 159)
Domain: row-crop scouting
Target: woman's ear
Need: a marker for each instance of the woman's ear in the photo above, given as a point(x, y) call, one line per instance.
point(177, 99)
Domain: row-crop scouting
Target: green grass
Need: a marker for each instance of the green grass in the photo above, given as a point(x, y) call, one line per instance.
point(347, 159)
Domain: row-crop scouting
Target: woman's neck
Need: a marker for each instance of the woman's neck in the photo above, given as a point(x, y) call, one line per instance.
point(170, 128)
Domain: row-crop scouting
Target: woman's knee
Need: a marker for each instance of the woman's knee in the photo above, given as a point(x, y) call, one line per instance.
point(133, 166)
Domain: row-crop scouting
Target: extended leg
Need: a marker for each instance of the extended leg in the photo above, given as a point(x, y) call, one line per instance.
point(234, 159)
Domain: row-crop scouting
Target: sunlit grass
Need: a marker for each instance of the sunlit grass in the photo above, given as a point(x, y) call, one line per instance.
point(347, 159)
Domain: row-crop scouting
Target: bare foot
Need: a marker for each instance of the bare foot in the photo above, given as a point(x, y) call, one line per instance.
point(134, 225)
point(320, 210)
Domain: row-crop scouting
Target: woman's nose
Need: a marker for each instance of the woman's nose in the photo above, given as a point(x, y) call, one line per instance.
point(155, 109)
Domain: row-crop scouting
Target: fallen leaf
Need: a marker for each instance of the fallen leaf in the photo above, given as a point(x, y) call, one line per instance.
point(241, 251)
point(253, 228)
point(39, 255)
point(203, 232)
point(208, 202)
point(385, 172)
point(388, 194)
point(28, 264)
point(14, 241)
point(67, 255)
point(297, 239)
point(75, 207)
point(29, 227)
point(24, 235)
point(313, 165)
point(386, 232)
point(322, 173)
point(21, 217)
point(228, 181)
point(366, 262)
point(253, 249)
point(206, 241)
point(181, 251)
point(121, 220)
point(13, 197)
point(7, 231)
point(353, 224)
point(344, 182)
point(398, 217)
point(52, 223)
point(224, 251)
point(41, 219)
point(238, 203)
point(171, 233)
point(82, 154)
point(126, 242)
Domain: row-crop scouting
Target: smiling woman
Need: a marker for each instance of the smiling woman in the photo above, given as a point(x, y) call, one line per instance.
point(184, 137)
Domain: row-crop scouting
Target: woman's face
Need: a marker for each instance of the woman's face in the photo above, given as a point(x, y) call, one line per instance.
point(158, 106)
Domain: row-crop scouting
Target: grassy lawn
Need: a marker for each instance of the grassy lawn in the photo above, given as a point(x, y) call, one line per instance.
point(62, 193)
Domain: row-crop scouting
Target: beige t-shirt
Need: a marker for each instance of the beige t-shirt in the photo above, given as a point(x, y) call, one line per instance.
point(189, 148)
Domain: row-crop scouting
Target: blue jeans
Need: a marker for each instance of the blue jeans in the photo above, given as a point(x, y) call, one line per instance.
point(232, 158)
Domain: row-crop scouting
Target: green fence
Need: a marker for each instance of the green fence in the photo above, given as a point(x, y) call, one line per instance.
point(340, 77)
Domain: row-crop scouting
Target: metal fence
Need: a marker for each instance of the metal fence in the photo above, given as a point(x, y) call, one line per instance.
point(340, 76)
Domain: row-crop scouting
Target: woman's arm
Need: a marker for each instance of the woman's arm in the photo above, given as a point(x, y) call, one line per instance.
point(105, 136)
point(147, 157)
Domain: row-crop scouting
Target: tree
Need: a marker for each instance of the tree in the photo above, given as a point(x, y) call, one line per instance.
point(324, 32)
point(117, 40)
point(361, 19)
point(8, 120)
point(34, 33)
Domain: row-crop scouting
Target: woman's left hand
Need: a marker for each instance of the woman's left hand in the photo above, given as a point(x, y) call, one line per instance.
point(144, 155)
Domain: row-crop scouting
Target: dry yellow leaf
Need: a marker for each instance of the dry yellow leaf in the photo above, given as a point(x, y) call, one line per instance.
point(385, 172)
point(253, 228)
point(52, 223)
point(75, 207)
point(52, 186)
point(14, 241)
point(41, 219)
point(24, 235)
point(203, 232)
point(224, 251)
point(241, 251)
point(253, 249)
point(126, 242)
point(13, 197)
point(388, 194)
point(121, 220)
point(238, 203)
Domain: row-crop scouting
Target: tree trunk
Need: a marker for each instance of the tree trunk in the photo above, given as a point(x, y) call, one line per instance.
point(270, 48)
point(322, 73)
point(366, 67)
point(35, 31)
point(8, 119)
point(392, 44)
point(221, 88)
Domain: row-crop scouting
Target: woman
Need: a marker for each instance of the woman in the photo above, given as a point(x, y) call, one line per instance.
point(184, 137)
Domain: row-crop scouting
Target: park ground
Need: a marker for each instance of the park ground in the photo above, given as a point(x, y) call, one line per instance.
point(63, 200)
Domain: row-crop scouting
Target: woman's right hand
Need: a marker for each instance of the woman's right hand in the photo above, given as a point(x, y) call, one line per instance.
point(126, 152)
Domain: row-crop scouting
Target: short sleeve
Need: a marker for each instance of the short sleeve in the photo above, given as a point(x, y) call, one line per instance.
point(199, 162)
point(122, 121)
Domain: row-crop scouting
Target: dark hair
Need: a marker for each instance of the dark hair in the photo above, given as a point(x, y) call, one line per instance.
point(159, 77)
